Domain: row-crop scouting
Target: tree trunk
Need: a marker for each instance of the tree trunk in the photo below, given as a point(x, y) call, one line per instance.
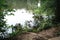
point(57, 14)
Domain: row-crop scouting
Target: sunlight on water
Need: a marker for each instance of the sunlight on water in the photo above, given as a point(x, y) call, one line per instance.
point(20, 16)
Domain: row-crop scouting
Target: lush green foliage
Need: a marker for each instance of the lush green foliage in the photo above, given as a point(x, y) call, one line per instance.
point(47, 10)
point(4, 9)
point(43, 15)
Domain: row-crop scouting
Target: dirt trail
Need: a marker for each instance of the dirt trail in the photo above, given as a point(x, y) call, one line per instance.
point(48, 34)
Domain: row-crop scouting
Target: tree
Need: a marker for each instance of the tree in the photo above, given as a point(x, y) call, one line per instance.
point(57, 12)
point(52, 6)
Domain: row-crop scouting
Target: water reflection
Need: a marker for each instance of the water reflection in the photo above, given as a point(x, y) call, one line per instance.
point(20, 16)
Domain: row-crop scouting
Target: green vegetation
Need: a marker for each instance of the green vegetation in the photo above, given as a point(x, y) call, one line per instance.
point(45, 16)
point(47, 9)
point(4, 9)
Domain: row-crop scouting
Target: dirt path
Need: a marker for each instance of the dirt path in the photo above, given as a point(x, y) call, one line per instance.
point(48, 34)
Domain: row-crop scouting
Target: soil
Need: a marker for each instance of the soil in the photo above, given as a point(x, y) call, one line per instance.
point(49, 34)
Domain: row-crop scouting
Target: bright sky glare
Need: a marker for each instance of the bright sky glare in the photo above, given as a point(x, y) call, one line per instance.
point(20, 16)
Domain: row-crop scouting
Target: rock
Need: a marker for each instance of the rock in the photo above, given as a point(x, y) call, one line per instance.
point(56, 38)
point(29, 36)
point(39, 38)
